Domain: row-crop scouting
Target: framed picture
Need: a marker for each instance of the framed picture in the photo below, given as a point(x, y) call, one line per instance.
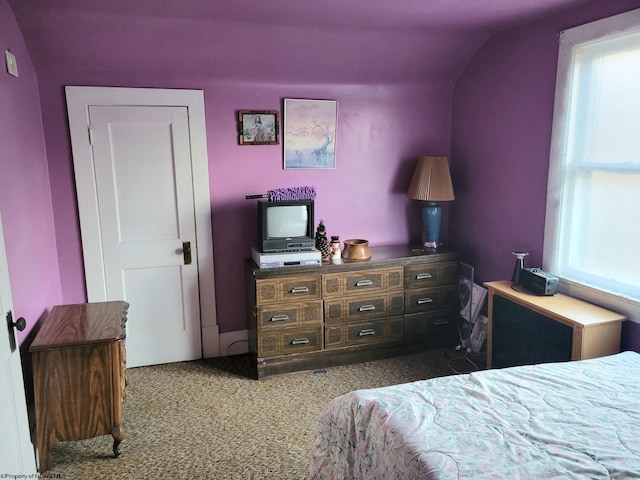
point(310, 128)
point(258, 127)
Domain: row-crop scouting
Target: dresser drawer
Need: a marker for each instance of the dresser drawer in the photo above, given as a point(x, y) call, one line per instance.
point(288, 289)
point(374, 331)
point(289, 314)
point(362, 281)
point(362, 307)
point(438, 328)
point(289, 340)
point(431, 299)
point(430, 274)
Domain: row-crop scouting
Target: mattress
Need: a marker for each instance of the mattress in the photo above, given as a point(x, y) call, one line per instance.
point(572, 420)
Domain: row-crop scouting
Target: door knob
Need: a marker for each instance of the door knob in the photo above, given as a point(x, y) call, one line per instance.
point(19, 324)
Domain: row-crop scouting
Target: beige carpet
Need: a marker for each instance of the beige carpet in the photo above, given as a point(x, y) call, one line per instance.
point(207, 420)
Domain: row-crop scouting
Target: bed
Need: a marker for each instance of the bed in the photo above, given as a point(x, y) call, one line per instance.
point(572, 420)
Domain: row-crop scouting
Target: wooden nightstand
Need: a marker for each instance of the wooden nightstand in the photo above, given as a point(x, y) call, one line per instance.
point(79, 375)
point(525, 329)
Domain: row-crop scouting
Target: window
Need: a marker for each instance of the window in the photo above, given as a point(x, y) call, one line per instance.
point(592, 233)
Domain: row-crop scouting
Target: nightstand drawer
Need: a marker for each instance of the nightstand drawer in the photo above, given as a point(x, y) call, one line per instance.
point(287, 341)
point(362, 281)
point(288, 289)
point(430, 274)
point(374, 331)
point(431, 299)
point(437, 328)
point(363, 307)
point(279, 316)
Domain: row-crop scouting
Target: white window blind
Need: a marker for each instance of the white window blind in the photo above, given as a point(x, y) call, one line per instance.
point(592, 233)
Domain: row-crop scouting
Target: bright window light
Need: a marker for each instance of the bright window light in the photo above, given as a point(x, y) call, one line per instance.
point(592, 233)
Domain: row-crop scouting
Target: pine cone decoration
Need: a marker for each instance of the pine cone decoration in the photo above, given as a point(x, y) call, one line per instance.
point(321, 242)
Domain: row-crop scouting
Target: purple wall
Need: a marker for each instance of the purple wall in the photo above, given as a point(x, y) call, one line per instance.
point(394, 91)
point(364, 197)
point(395, 104)
point(25, 200)
point(501, 134)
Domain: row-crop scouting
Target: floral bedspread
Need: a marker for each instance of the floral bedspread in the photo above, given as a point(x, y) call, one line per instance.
point(573, 420)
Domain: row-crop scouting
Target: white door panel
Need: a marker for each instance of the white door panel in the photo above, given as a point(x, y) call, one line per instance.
point(145, 199)
point(156, 296)
point(17, 457)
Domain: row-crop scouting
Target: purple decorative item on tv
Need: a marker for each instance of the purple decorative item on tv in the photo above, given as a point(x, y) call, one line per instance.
point(293, 193)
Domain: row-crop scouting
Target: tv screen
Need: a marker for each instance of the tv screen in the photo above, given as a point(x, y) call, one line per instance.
point(287, 221)
point(286, 226)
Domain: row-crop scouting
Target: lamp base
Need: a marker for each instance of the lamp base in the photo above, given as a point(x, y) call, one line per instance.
point(431, 217)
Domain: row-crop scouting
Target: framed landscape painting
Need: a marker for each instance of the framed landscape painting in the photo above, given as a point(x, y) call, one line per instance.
point(310, 128)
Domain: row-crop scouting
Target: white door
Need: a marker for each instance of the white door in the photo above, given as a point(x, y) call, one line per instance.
point(145, 198)
point(138, 219)
point(17, 457)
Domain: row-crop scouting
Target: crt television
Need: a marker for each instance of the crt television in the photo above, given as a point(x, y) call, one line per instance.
point(286, 226)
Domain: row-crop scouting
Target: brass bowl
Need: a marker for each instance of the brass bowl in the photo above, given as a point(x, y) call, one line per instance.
point(356, 250)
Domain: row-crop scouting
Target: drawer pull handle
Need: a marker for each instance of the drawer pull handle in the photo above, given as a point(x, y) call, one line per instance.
point(300, 341)
point(423, 276)
point(367, 308)
point(366, 331)
point(422, 301)
point(295, 290)
point(364, 283)
point(279, 318)
point(441, 321)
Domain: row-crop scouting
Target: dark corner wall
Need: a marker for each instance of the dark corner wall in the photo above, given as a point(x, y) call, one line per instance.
point(501, 135)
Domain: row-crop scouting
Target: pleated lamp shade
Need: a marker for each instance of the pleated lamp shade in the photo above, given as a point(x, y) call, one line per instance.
point(431, 180)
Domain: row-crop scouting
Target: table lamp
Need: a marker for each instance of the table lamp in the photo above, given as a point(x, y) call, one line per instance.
point(431, 183)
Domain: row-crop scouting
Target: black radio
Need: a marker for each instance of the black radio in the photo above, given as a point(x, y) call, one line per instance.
point(538, 282)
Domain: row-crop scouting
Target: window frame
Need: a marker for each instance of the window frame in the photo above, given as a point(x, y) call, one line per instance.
point(601, 30)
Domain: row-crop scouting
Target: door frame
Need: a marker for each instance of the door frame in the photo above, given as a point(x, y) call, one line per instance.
point(79, 99)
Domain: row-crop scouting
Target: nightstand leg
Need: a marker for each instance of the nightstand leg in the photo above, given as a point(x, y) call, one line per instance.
point(118, 436)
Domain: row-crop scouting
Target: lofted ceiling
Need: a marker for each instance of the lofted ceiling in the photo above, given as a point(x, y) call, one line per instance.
point(349, 41)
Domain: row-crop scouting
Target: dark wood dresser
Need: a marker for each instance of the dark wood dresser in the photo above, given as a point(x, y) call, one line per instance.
point(402, 300)
point(79, 367)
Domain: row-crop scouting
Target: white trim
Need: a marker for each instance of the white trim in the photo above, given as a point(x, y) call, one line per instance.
point(613, 26)
point(211, 341)
point(78, 101)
